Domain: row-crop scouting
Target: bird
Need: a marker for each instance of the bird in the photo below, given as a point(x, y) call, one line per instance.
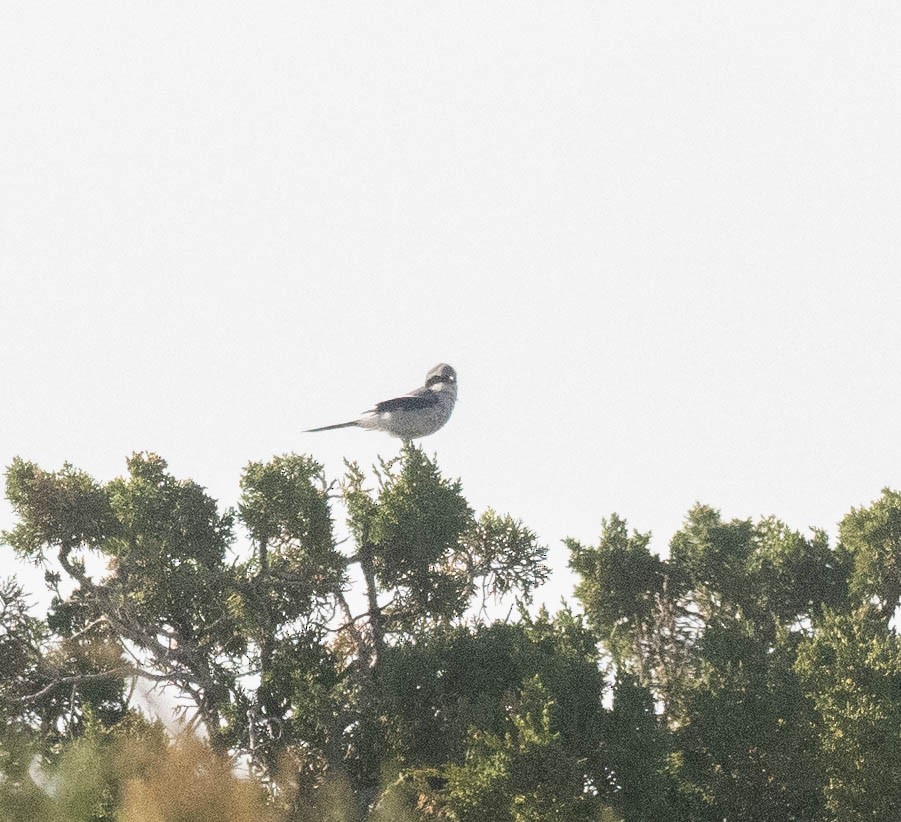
point(417, 413)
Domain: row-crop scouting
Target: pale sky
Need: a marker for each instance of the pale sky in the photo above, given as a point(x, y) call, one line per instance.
point(658, 241)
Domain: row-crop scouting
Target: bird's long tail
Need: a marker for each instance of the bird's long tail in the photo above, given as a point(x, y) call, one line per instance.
point(350, 424)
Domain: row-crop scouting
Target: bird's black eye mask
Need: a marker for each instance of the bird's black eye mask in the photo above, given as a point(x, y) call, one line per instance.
point(438, 378)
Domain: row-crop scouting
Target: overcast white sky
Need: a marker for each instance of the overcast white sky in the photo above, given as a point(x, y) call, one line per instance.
point(658, 241)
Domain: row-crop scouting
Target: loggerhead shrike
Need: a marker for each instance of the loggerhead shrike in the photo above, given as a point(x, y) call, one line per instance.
point(417, 413)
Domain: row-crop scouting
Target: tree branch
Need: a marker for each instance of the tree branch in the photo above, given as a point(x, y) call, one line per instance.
point(80, 679)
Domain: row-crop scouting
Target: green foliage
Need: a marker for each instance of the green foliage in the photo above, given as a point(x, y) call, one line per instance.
point(852, 668)
point(286, 500)
point(295, 564)
point(21, 640)
point(525, 774)
point(437, 687)
point(746, 740)
point(794, 577)
point(504, 556)
point(754, 674)
point(872, 538)
point(713, 633)
point(620, 582)
point(711, 558)
point(419, 518)
point(633, 755)
point(168, 546)
point(413, 536)
point(264, 645)
point(425, 547)
point(63, 510)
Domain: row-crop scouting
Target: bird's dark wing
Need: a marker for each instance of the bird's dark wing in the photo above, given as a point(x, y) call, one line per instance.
point(416, 400)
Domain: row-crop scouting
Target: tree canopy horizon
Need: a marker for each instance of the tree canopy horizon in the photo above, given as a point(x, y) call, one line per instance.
point(753, 674)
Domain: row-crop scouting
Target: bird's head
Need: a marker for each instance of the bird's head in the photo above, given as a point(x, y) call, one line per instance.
point(442, 377)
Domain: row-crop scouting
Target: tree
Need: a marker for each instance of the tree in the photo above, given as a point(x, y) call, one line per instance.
point(262, 638)
point(852, 669)
point(753, 674)
point(872, 539)
point(527, 774)
point(745, 746)
point(631, 602)
point(633, 756)
point(712, 634)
